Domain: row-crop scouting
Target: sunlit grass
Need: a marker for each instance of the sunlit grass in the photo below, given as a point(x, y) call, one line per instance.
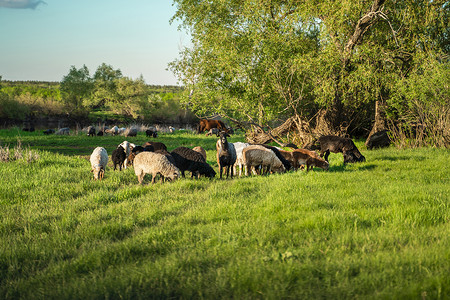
point(377, 229)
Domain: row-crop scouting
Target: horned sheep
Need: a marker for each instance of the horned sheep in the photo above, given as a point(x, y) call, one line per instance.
point(154, 164)
point(99, 160)
point(257, 155)
point(226, 154)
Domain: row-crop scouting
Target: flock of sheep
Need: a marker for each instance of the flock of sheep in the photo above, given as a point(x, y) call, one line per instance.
point(154, 159)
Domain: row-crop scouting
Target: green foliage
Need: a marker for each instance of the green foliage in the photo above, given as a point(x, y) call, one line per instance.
point(260, 61)
point(377, 229)
point(76, 86)
point(11, 109)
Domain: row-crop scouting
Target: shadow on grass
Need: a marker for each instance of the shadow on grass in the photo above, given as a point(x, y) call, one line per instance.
point(401, 157)
point(345, 168)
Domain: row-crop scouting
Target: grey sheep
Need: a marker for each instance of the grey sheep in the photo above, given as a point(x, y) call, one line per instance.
point(226, 154)
point(154, 164)
point(256, 155)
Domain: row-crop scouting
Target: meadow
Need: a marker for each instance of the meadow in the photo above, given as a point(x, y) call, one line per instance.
point(373, 230)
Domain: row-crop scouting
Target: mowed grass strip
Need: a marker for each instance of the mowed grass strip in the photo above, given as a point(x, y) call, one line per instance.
point(377, 229)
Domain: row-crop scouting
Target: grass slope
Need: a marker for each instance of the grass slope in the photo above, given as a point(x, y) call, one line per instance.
point(378, 229)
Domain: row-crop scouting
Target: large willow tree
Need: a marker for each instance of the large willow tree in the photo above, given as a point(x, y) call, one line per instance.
point(263, 61)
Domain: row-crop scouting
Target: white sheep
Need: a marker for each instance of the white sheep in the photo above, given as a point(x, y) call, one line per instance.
point(154, 164)
point(114, 130)
point(99, 160)
point(256, 155)
point(239, 146)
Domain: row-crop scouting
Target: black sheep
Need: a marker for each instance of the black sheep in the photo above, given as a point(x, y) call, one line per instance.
point(151, 133)
point(118, 157)
point(187, 159)
point(336, 144)
point(156, 146)
point(91, 131)
point(48, 131)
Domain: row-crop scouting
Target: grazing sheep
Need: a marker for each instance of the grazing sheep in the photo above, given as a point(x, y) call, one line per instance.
point(287, 165)
point(48, 131)
point(308, 158)
point(226, 154)
point(113, 131)
point(189, 160)
point(288, 155)
point(100, 133)
point(131, 132)
point(151, 132)
point(378, 140)
point(156, 145)
point(336, 144)
point(201, 151)
point(154, 164)
point(257, 155)
point(99, 160)
point(91, 131)
point(212, 131)
point(171, 129)
point(118, 157)
point(239, 147)
point(62, 131)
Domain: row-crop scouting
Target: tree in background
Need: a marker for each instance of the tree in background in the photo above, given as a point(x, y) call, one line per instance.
point(105, 79)
point(327, 62)
point(76, 87)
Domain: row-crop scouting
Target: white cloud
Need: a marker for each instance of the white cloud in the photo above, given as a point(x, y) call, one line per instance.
point(21, 3)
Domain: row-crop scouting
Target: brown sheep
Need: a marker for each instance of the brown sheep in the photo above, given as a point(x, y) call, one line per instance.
point(308, 158)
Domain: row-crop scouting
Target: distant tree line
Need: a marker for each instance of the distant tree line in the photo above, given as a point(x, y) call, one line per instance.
point(105, 94)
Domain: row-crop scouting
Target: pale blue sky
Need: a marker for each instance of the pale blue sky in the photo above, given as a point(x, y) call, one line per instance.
point(133, 35)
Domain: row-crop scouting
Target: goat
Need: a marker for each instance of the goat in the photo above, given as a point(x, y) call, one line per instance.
point(226, 154)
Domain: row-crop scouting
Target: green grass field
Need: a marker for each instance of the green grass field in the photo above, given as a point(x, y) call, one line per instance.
point(373, 230)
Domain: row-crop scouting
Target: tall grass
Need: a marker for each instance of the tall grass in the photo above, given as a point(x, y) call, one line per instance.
point(378, 229)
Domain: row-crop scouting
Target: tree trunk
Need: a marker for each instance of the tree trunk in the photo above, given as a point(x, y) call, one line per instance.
point(379, 123)
point(261, 137)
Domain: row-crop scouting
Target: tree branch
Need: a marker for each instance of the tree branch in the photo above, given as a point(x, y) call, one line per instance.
point(361, 28)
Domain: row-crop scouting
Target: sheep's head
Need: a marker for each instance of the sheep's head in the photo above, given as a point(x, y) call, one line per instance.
point(173, 175)
point(223, 138)
point(98, 173)
point(279, 169)
point(323, 164)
